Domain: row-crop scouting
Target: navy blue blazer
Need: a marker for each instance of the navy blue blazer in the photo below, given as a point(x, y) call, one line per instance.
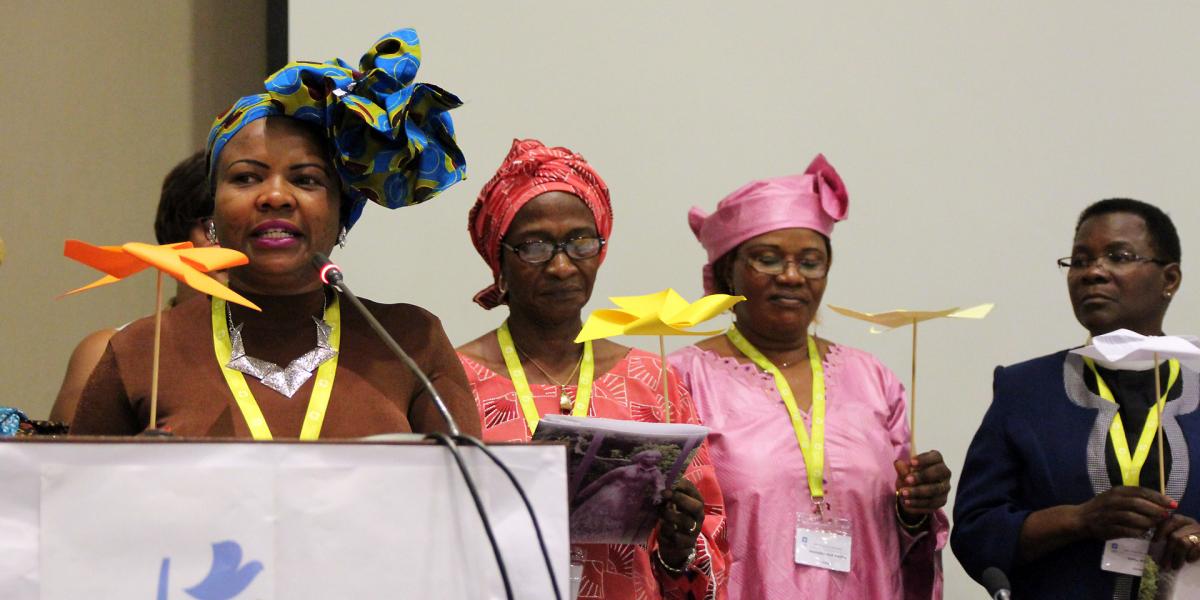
point(1041, 444)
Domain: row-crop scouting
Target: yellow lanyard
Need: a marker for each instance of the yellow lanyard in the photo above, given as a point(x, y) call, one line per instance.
point(813, 449)
point(1131, 467)
point(314, 417)
point(583, 393)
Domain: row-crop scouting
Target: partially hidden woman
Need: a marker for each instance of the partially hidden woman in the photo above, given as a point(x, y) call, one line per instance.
point(542, 224)
point(1066, 460)
point(809, 435)
point(291, 170)
point(184, 210)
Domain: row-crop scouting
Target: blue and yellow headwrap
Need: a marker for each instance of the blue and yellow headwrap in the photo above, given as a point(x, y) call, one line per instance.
point(392, 139)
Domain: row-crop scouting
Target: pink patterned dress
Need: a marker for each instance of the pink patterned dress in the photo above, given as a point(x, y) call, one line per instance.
point(632, 390)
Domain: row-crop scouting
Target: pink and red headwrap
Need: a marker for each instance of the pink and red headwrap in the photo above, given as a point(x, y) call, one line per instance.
point(815, 200)
point(529, 170)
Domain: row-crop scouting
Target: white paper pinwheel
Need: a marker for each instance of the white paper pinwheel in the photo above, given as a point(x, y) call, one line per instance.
point(1131, 351)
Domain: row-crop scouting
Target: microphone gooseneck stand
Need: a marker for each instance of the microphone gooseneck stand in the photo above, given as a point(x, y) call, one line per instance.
point(332, 275)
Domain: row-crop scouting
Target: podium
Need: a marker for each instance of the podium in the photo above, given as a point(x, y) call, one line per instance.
point(213, 520)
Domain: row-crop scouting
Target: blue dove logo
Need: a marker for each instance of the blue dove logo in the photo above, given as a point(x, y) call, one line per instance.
point(227, 577)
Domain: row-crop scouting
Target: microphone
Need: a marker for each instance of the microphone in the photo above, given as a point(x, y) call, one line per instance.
point(996, 583)
point(332, 275)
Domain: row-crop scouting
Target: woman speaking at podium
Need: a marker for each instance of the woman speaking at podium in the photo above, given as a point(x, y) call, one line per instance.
point(1049, 492)
point(541, 224)
point(291, 170)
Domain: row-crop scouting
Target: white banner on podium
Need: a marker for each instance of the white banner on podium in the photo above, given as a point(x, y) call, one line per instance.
point(225, 521)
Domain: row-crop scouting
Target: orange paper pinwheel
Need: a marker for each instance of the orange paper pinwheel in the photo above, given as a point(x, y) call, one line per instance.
point(181, 261)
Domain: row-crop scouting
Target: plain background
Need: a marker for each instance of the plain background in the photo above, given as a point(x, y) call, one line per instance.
point(101, 100)
point(969, 134)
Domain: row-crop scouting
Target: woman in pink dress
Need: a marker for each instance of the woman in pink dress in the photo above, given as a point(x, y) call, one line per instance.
point(541, 225)
point(810, 438)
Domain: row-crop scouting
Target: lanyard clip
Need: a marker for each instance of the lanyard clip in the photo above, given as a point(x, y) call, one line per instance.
point(819, 502)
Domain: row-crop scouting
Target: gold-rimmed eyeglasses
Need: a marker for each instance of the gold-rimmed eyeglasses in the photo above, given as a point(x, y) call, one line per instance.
point(1110, 261)
point(810, 266)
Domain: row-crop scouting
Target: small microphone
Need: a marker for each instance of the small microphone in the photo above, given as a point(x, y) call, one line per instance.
point(996, 583)
point(332, 275)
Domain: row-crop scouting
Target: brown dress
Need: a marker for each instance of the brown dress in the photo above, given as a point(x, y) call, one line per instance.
point(373, 392)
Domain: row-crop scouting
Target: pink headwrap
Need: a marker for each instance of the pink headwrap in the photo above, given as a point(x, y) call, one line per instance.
point(815, 200)
point(529, 170)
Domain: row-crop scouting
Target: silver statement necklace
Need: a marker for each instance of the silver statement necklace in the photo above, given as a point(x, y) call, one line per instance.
point(283, 380)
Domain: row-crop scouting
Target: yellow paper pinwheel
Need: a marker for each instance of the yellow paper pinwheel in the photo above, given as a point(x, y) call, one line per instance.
point(899, 318)
point(181, 261)
point(661, 313)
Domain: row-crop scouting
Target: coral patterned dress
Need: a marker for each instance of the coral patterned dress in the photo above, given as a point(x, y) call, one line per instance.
point(632, 390)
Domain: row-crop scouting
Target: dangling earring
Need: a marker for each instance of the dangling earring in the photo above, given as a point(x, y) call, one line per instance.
point(341, 239)
point(210, 233)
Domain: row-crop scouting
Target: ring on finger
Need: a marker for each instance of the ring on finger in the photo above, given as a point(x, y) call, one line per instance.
point(1194, 539)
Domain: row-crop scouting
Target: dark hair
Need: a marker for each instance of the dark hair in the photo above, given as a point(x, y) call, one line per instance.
point(184, 200)
point(722, 265)
point(1163, 236)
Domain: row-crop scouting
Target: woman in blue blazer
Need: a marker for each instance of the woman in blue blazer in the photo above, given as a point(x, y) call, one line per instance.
point(1042, 488)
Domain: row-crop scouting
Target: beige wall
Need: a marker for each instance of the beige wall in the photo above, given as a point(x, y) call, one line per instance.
point(101, 100)
point(969, 134)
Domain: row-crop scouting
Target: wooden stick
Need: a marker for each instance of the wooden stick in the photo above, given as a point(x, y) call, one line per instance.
point(912, 398)
point(1162, 475)
point(157, 338)
point(662, 352)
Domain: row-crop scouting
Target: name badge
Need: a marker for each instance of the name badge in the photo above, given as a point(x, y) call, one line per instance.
point(1125, 555)
point(823, 542)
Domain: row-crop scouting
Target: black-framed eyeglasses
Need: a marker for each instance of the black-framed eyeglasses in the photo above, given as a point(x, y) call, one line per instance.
point(810, 267)
point(1110, 261)
point(537, 252)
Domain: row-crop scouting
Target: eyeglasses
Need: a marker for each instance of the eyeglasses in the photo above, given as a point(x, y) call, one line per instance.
point(810, 267)
point(1111, 261)
point(538, 252)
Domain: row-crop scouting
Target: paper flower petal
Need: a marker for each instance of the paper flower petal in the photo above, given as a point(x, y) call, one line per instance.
point(107, 279)
point(660, 313)
point(208, 260)
point(974, 312)
point(112, 260)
